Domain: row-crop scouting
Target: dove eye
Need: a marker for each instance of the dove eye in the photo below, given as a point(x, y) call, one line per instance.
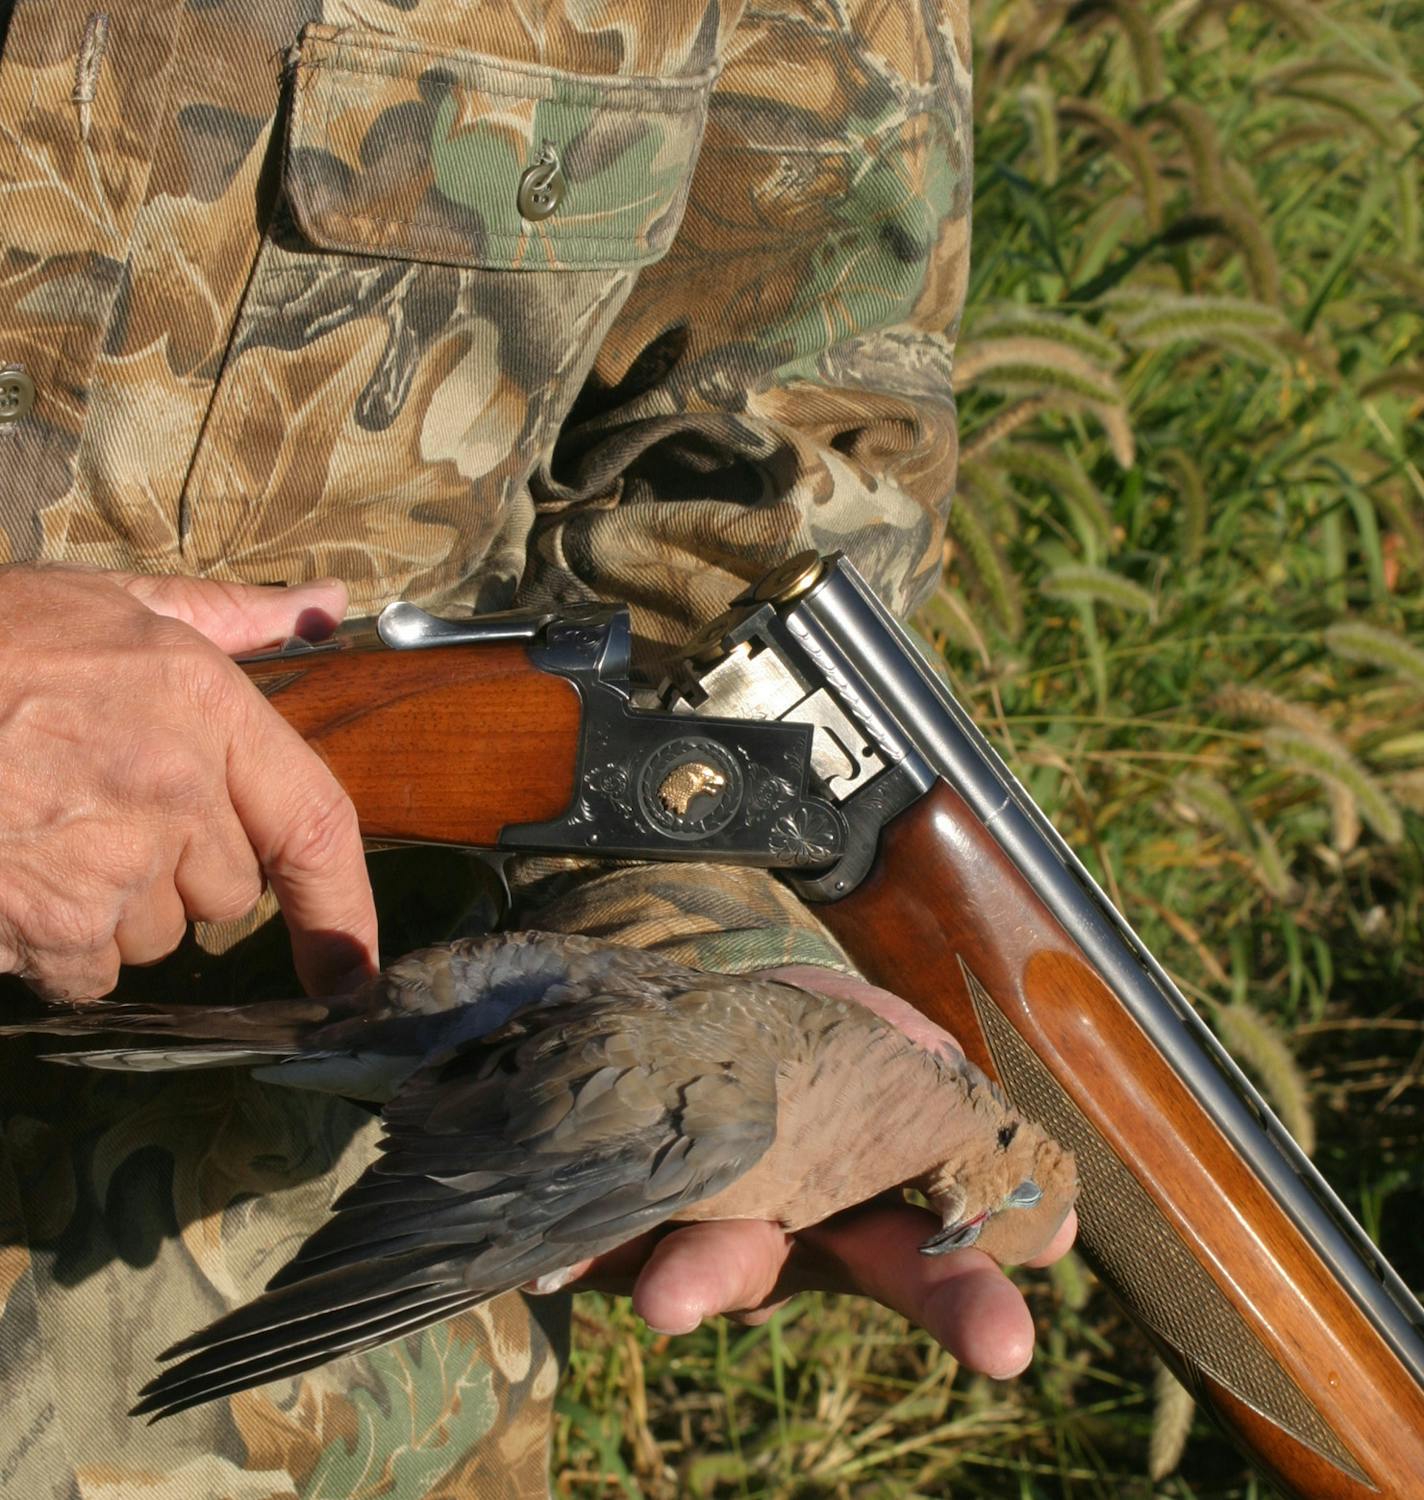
point(1025, 1195)
point(1006, 1135)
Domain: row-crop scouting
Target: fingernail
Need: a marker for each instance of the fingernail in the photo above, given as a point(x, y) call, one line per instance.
point(552, 1281)
point(673, 1327)
point(315, 625)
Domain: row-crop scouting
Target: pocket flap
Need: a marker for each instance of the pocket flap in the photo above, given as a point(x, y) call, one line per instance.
point(396, 151)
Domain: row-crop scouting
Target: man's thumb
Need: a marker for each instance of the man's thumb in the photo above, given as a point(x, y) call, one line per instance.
point(239, 617)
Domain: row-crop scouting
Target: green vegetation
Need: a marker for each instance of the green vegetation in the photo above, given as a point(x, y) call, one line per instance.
point(1183, 591)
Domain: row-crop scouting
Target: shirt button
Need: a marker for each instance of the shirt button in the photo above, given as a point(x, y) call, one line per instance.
point(541, 187)
point(17, 394)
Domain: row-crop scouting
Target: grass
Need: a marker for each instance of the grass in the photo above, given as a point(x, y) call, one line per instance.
point(1183, 592)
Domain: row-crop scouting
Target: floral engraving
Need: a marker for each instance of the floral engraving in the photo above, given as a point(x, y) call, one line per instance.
point(806, 836)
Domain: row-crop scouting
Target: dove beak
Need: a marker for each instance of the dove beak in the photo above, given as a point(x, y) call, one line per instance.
point(962, 1234)
point(955, 1236)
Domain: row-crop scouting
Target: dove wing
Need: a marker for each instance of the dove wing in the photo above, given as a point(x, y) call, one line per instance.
point(557, 1138)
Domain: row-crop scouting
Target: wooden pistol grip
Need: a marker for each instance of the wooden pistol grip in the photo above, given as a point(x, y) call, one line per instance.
point(1171, 1216)
point(444, 746)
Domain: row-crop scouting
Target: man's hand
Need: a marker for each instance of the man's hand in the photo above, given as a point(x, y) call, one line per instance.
point(144, 782)
point(747, 1269)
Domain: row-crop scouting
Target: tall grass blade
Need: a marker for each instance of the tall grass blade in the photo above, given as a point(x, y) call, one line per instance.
point(1328, 762)
point(1173, 1412)
point(1355, 640)
point(1253, 1041)
point(1099, 586)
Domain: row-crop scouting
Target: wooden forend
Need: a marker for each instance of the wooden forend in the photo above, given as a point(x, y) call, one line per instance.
point(442, 746)
point(1175, 1220)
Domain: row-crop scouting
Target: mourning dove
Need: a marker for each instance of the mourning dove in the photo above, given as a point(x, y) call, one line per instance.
point(546, 1098)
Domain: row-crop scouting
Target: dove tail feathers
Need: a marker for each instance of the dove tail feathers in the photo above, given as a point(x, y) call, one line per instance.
point(166, 1059)
point(183, 1036)
point(283, 1333)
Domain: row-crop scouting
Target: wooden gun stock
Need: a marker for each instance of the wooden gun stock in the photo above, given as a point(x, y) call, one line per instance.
point(447, 746)
point(1172, 1219)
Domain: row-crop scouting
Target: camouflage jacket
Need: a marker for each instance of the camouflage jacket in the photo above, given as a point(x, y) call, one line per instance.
point(481, 304)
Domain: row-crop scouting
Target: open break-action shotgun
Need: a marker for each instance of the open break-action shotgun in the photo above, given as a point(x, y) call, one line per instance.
point(805, 732)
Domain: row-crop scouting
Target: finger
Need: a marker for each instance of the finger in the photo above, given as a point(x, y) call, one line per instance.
point(962, 1299)
point(727, 1266)
point(303, 829)
point(616, 1271)
point(218, 877)
point(87, 975)
point(152, 925)
point(240, 617)
point(555, 1281)
point(754, 1317)
point(1059, 1245)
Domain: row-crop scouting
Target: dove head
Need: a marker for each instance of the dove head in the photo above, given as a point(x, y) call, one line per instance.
point(1007, 1195)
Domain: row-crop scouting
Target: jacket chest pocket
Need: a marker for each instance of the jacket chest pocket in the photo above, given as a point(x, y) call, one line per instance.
point(453, 236)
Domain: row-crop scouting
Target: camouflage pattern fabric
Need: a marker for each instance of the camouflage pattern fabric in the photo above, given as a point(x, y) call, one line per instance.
point(265, 265)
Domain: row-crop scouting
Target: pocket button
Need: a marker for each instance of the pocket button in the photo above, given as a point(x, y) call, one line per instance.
point(541, 186)
point(17, 395)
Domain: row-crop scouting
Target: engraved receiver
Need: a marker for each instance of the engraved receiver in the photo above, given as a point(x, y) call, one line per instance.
point(517, 732)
